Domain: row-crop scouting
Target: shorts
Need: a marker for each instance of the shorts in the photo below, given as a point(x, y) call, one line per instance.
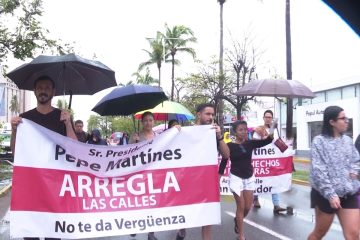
point(237, 184)
point(347, 202)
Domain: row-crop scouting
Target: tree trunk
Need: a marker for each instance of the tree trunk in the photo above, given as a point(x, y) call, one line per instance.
point(289, 106)
point(172, 76)
point(159, 70)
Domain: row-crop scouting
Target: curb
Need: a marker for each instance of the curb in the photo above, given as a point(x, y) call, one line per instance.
point(300, 182)
point(5, 190)
point(301, 160)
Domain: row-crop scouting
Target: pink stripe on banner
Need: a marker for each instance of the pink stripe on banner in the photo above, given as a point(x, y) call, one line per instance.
point(36, 189)
point(272, 166)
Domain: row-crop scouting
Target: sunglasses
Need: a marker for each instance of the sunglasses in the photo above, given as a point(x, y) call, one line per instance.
point(343, 118)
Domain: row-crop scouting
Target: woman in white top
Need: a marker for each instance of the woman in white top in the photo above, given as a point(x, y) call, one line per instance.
point(146, 133)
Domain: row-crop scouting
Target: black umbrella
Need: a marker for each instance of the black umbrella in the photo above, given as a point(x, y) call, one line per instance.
point(275, 88)
point(72, 74)
point(129, 99)
point(348, 10)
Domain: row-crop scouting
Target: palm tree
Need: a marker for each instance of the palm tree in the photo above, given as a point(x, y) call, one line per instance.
point(221, 65)
point(176, 40)
point(156, 54)
point(126, 84)
point(145, 79)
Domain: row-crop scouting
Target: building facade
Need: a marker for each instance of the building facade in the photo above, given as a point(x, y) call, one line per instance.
point(308, 113)
point(12, 100)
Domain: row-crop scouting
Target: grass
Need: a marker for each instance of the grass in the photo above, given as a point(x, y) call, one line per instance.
point(301, 175)
point(5, 175)
point(5, 171)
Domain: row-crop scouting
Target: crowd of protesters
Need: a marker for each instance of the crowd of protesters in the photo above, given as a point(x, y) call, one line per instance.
point(334, 173)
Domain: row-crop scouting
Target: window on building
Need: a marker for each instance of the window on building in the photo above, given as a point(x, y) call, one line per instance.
point(305, 101)
point(333, 95)
point(348, 92)
point(315, 129)
point(320, 97)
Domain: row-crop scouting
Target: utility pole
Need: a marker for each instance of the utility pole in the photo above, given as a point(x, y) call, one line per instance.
point(289, 106)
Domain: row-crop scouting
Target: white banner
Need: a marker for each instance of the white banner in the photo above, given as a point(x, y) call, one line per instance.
point(66, 189)
point(272, 169)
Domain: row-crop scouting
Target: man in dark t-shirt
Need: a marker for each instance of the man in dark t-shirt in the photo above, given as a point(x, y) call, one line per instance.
point(45, 115)
point(49, 120)
point(205, 114)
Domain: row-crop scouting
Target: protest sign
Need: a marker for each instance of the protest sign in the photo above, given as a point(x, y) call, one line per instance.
point(66, 189)
point(272, 169)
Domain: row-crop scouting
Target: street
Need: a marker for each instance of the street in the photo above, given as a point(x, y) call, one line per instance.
point(260, 223)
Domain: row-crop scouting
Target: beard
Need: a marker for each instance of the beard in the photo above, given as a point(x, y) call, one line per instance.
point(206, 122)
point(43, 98)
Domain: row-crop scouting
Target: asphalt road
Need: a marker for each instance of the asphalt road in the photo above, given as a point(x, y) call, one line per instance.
point(260, 223)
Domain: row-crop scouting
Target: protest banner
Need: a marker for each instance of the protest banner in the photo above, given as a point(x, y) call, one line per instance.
point(272, 169)
point(66, 189)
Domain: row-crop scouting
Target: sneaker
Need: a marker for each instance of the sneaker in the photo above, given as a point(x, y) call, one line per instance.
point(151, 236)
point(256, 203)
point(278, 209)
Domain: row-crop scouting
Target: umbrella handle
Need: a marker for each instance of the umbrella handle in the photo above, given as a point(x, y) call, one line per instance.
point(70, 100)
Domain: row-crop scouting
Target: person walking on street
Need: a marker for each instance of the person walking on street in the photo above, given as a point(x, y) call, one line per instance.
point(334, 177)
point(205, 114)
point(242, 178)
point(146, 134)
point(262, 132)
point(81, 135)
point(45, 115)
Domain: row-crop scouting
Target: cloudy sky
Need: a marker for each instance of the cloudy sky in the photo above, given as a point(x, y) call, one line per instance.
point(324, 47)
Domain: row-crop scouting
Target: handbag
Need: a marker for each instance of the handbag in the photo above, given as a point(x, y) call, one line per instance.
point(280, 144)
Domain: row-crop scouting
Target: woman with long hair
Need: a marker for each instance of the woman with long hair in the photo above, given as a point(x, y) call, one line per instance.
point(146, 134)
point(334, 173)
point(242, 179)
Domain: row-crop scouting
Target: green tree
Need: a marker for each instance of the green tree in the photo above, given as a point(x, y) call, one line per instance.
point(146, 78)
point(203, 86)
point(156, 54)
point(14, 105)
point(176, 40)
point(27, 36)
point(126, 84)
point(103, 123)
point(109, 124)
point(62, 104)
point(123, 124)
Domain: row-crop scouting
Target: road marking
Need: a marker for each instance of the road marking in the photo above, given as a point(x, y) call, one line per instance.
point(262, 228)
point(306, 216)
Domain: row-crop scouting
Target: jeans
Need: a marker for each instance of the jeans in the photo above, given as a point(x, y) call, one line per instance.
point(275, 199)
